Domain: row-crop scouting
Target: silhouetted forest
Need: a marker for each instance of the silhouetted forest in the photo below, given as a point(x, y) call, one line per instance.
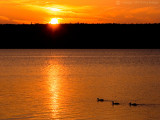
point(80, 36)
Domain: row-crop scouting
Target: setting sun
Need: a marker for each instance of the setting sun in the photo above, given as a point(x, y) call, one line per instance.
point(54, 21)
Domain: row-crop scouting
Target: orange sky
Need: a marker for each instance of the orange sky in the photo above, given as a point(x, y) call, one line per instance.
point(86, 11)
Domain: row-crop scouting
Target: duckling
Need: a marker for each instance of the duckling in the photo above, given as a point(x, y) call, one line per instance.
point(133, 104)
point(113, 103)
point(100, 100)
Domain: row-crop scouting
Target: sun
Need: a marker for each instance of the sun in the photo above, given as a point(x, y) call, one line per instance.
point(54, 21)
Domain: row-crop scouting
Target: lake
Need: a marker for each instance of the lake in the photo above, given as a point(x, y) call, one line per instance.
point(54, 84)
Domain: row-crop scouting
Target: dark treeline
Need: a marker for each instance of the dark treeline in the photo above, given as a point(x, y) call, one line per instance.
point(80, 36)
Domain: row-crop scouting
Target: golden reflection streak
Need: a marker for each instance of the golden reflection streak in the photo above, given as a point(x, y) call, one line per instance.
point(54, 87)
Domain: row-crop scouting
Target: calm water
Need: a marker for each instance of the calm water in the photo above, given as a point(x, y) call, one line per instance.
point(64, 84)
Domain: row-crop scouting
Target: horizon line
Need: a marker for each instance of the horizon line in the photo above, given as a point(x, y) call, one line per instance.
point(78, 23)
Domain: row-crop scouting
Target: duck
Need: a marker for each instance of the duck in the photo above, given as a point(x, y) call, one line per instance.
point(113, 103)
point(100, 100)
point(133, 104)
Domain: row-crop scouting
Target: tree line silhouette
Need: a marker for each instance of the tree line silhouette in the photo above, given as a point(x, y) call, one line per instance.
point(79, 35)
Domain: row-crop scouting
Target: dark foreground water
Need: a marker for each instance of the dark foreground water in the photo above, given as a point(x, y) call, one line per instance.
point(64, 84)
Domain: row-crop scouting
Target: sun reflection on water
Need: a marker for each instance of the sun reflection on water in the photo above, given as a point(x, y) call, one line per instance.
point(54, 88)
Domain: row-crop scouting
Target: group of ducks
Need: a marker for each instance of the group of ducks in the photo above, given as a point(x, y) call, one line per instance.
point(116, 103)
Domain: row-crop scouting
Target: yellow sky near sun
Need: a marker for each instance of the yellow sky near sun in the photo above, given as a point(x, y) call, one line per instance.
point(83, 11)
